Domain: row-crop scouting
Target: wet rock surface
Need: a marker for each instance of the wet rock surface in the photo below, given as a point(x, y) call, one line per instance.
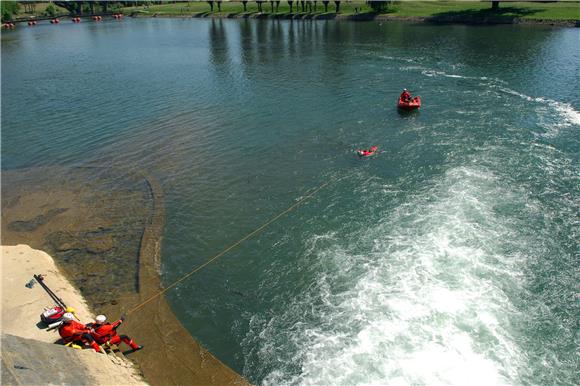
point(107, 242)
point(31, 362)
point(91, 221)
point(33, 224)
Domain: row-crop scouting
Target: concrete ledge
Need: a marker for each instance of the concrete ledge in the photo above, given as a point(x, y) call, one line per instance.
point(31, 362)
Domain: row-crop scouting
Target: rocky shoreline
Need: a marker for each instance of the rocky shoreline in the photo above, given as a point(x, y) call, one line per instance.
point(104, 229)
point(29, 353)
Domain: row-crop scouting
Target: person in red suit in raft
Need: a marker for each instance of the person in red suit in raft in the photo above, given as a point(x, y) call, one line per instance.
point(406, 95)
point(106, 333)
point(72, 331)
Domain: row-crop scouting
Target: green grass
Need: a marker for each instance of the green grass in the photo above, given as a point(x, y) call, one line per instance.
point(563, 10)
point(228, 7)
point(39, 9)
point(528, 10)
point(525, 10)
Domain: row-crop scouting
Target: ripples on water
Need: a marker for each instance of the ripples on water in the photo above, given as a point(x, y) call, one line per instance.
point(447, 259)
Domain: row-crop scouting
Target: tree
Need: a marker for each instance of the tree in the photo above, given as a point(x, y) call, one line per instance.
point(9, 9)
point(245, 4)
point(219, 3)
point(325, 3)
point(259, 2)
point(50, 11)
point(73, 7)
point(495, 5)
point(210, 5)
point(29, 7)
point(337, 4)
point(290, 5)
point(378, 6)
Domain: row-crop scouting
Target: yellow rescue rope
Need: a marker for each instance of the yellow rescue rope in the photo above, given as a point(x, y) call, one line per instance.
point(257, 230)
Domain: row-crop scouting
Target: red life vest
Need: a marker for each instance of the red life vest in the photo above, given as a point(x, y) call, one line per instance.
point(71, 331)
point(104, 332)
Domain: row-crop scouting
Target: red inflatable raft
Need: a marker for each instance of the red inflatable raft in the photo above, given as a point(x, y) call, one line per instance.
point(413, 104)
point(367, 153)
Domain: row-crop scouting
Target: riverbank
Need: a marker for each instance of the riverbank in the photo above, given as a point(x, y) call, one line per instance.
point(174, 356)
point(21, 307)
point(468, 12)
point(565, 14)
point(104, 229)
point(447, 19)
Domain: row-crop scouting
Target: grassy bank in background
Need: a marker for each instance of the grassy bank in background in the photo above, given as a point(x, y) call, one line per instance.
point(565, 11)
point(525, 10)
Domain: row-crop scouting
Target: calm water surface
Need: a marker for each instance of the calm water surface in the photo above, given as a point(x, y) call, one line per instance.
point(446, 259)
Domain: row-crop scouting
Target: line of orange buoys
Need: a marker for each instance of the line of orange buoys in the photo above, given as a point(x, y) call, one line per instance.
point(76, 19)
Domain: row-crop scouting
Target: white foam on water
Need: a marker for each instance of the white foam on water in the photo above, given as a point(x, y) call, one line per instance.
point(426, 306)
point(408, 60)
point(434, 73)
point(553, 115)
point(412, 68)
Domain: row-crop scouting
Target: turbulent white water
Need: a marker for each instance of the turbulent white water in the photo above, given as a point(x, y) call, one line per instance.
point(434, 299)
point(428, 306)
point(438, 291)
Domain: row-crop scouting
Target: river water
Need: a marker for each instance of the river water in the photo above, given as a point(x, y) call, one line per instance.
point(448, 258)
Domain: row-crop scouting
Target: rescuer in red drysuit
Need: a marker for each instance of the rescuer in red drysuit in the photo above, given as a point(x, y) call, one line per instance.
point(406, 95)
point(72, 331)
point(106, 333)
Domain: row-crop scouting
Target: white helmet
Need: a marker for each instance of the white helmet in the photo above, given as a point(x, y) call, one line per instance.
point(67, 317)
point(100, 319)
point(404, 89)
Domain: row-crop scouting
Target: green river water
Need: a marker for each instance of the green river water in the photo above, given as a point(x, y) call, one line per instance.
point(448, 258)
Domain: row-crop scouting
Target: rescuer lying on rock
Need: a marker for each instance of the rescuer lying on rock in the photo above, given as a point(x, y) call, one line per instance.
point(73, 332)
